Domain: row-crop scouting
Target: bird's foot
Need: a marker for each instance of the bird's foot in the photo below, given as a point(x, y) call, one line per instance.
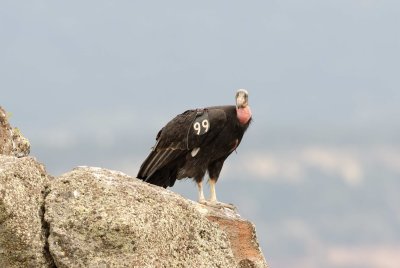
point(217, 204)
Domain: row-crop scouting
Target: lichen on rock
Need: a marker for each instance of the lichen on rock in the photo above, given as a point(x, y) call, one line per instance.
point(22, 237)
point(97, 216)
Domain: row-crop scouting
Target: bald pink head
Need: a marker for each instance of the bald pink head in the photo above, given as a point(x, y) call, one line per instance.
point(243, 114)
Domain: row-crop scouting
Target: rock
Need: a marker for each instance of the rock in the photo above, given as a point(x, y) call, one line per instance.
point(92, 217)
point(11, 140)
point(22, 231)
point(241, 234)
point(103, 218)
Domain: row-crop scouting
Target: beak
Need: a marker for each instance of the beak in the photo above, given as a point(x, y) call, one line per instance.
point(241, 101)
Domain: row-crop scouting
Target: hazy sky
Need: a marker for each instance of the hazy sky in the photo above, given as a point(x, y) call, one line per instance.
point(91, 82)
point(304, 62)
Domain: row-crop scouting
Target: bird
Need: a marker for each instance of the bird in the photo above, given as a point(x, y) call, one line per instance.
point(195, 142)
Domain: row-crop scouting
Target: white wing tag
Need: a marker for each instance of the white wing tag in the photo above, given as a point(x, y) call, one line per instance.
point(201, 124)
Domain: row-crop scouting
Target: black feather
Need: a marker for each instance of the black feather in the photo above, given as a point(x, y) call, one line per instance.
point(215, 130)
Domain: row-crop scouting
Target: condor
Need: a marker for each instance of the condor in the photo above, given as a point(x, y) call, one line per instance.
point(195, 142)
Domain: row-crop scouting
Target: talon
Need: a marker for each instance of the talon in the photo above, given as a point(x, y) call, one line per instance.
point(218, 204)
point(225, 205)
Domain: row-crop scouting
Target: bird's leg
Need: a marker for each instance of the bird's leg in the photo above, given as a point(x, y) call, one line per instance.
point(200, 189)
point(213, 198)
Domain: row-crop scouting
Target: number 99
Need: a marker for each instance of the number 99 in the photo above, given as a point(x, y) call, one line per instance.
point(198, 127)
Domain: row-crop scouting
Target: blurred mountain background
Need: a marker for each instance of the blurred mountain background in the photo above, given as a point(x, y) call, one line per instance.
point(318, 172)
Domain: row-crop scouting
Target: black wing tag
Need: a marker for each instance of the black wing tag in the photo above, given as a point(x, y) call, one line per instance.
point(201, 124)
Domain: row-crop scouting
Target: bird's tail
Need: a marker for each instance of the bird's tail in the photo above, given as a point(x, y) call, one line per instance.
point(156, 167)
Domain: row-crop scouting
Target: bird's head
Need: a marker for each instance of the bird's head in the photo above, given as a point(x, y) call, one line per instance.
point(242, 98)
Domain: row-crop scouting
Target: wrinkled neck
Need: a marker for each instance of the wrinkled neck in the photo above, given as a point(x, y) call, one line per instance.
point(243, 115)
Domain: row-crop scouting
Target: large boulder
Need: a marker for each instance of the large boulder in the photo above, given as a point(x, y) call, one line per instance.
point(103, 218)
point(92, 217)
point(22, 229)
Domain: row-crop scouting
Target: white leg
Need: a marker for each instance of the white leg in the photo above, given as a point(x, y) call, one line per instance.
point(201, 194)
point(213, 198)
